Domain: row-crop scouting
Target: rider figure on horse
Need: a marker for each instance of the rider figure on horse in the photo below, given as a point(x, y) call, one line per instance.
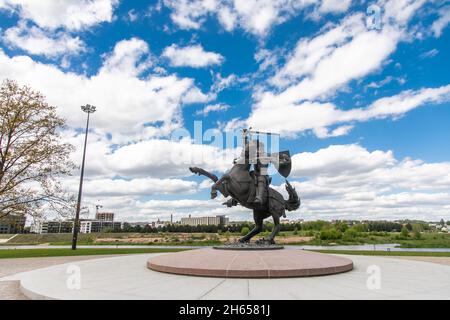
point(254, 153)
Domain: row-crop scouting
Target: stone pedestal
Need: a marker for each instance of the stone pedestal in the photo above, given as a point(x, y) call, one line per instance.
point(250, 263)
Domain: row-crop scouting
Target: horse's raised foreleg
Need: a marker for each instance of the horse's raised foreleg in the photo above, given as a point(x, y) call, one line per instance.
point(216, 185)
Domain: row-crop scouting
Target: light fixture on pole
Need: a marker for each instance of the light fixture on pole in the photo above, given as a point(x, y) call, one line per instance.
point(76, 223)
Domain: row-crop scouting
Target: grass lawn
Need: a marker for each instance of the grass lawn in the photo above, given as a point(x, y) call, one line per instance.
point(427, 239)
point(387, 253)
point(35, 253)
point(91, 239)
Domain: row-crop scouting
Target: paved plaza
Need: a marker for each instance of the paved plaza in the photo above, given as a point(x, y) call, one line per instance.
point(127, 277)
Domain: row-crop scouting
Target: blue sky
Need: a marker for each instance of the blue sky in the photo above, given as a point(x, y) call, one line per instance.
point(363, 107)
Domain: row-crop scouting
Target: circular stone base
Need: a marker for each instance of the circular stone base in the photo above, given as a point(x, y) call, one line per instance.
point(250, 263)
point(248, 246)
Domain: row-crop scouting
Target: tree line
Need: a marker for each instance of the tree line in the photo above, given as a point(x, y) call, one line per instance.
point(318, 225)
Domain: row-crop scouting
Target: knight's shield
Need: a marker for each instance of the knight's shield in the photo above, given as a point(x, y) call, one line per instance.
point(283, 163)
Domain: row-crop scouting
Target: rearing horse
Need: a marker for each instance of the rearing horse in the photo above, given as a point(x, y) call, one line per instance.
point(239, 183)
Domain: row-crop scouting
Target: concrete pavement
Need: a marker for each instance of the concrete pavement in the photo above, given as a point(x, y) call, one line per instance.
point(126, 277)
point(10, 290)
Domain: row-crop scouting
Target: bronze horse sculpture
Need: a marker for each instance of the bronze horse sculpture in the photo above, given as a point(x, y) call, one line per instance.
point(239, 183)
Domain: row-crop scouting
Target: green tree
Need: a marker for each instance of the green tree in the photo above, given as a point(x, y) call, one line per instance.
point(341, 226)
point(330, 234)
point(350, 234)
point(32, 155)
point(417, 229)
point(404, 233)
point(361, 227)
point(244, 231)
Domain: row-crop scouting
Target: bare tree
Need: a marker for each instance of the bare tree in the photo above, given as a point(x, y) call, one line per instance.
point(32, 155)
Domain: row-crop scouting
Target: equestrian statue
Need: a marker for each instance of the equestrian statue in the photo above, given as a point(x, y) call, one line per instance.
point(251, 188)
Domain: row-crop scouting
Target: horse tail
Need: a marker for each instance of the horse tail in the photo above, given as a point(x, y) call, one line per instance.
point(293, 203)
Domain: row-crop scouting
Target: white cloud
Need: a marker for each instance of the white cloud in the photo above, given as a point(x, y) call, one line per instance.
point(70, 14)
point(385, 81)
point(132, 15)
point(39, 42)
point(258, 17)
point(166, 158)
point(441, 23)
point(399, 11)
point(191, 56)
point(135, 106)
point(405, 101)
point(161, 158)
point(189, 14)
point(195, 95)
point(227, 18)
point(129, 57)
point(205, 184)
point(337, 160)
point(339, 131)
point(266, 59)
point(124, 177)
point(348, 181)
point(295, 118)
point(310, 52)
point(340, 181)
point(213, 108)
point(335, 5)
point(138, 187)
point(321, 65)
point(221, 83)
point(429, 54)
point(254, 16)
point(130, 106)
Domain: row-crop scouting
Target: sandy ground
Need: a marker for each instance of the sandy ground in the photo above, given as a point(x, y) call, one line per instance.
point(9, 290)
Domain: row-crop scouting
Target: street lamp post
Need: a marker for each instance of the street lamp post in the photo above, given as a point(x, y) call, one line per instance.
point(76, 224)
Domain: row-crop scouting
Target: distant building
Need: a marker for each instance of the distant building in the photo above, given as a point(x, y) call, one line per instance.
point(289, 221)
point(159, 223)
point(43, 227)
point(95, 226)
point(197, 221)
point(136, 224)
point(86, 226)
point(104, 216)
point(12, 224)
